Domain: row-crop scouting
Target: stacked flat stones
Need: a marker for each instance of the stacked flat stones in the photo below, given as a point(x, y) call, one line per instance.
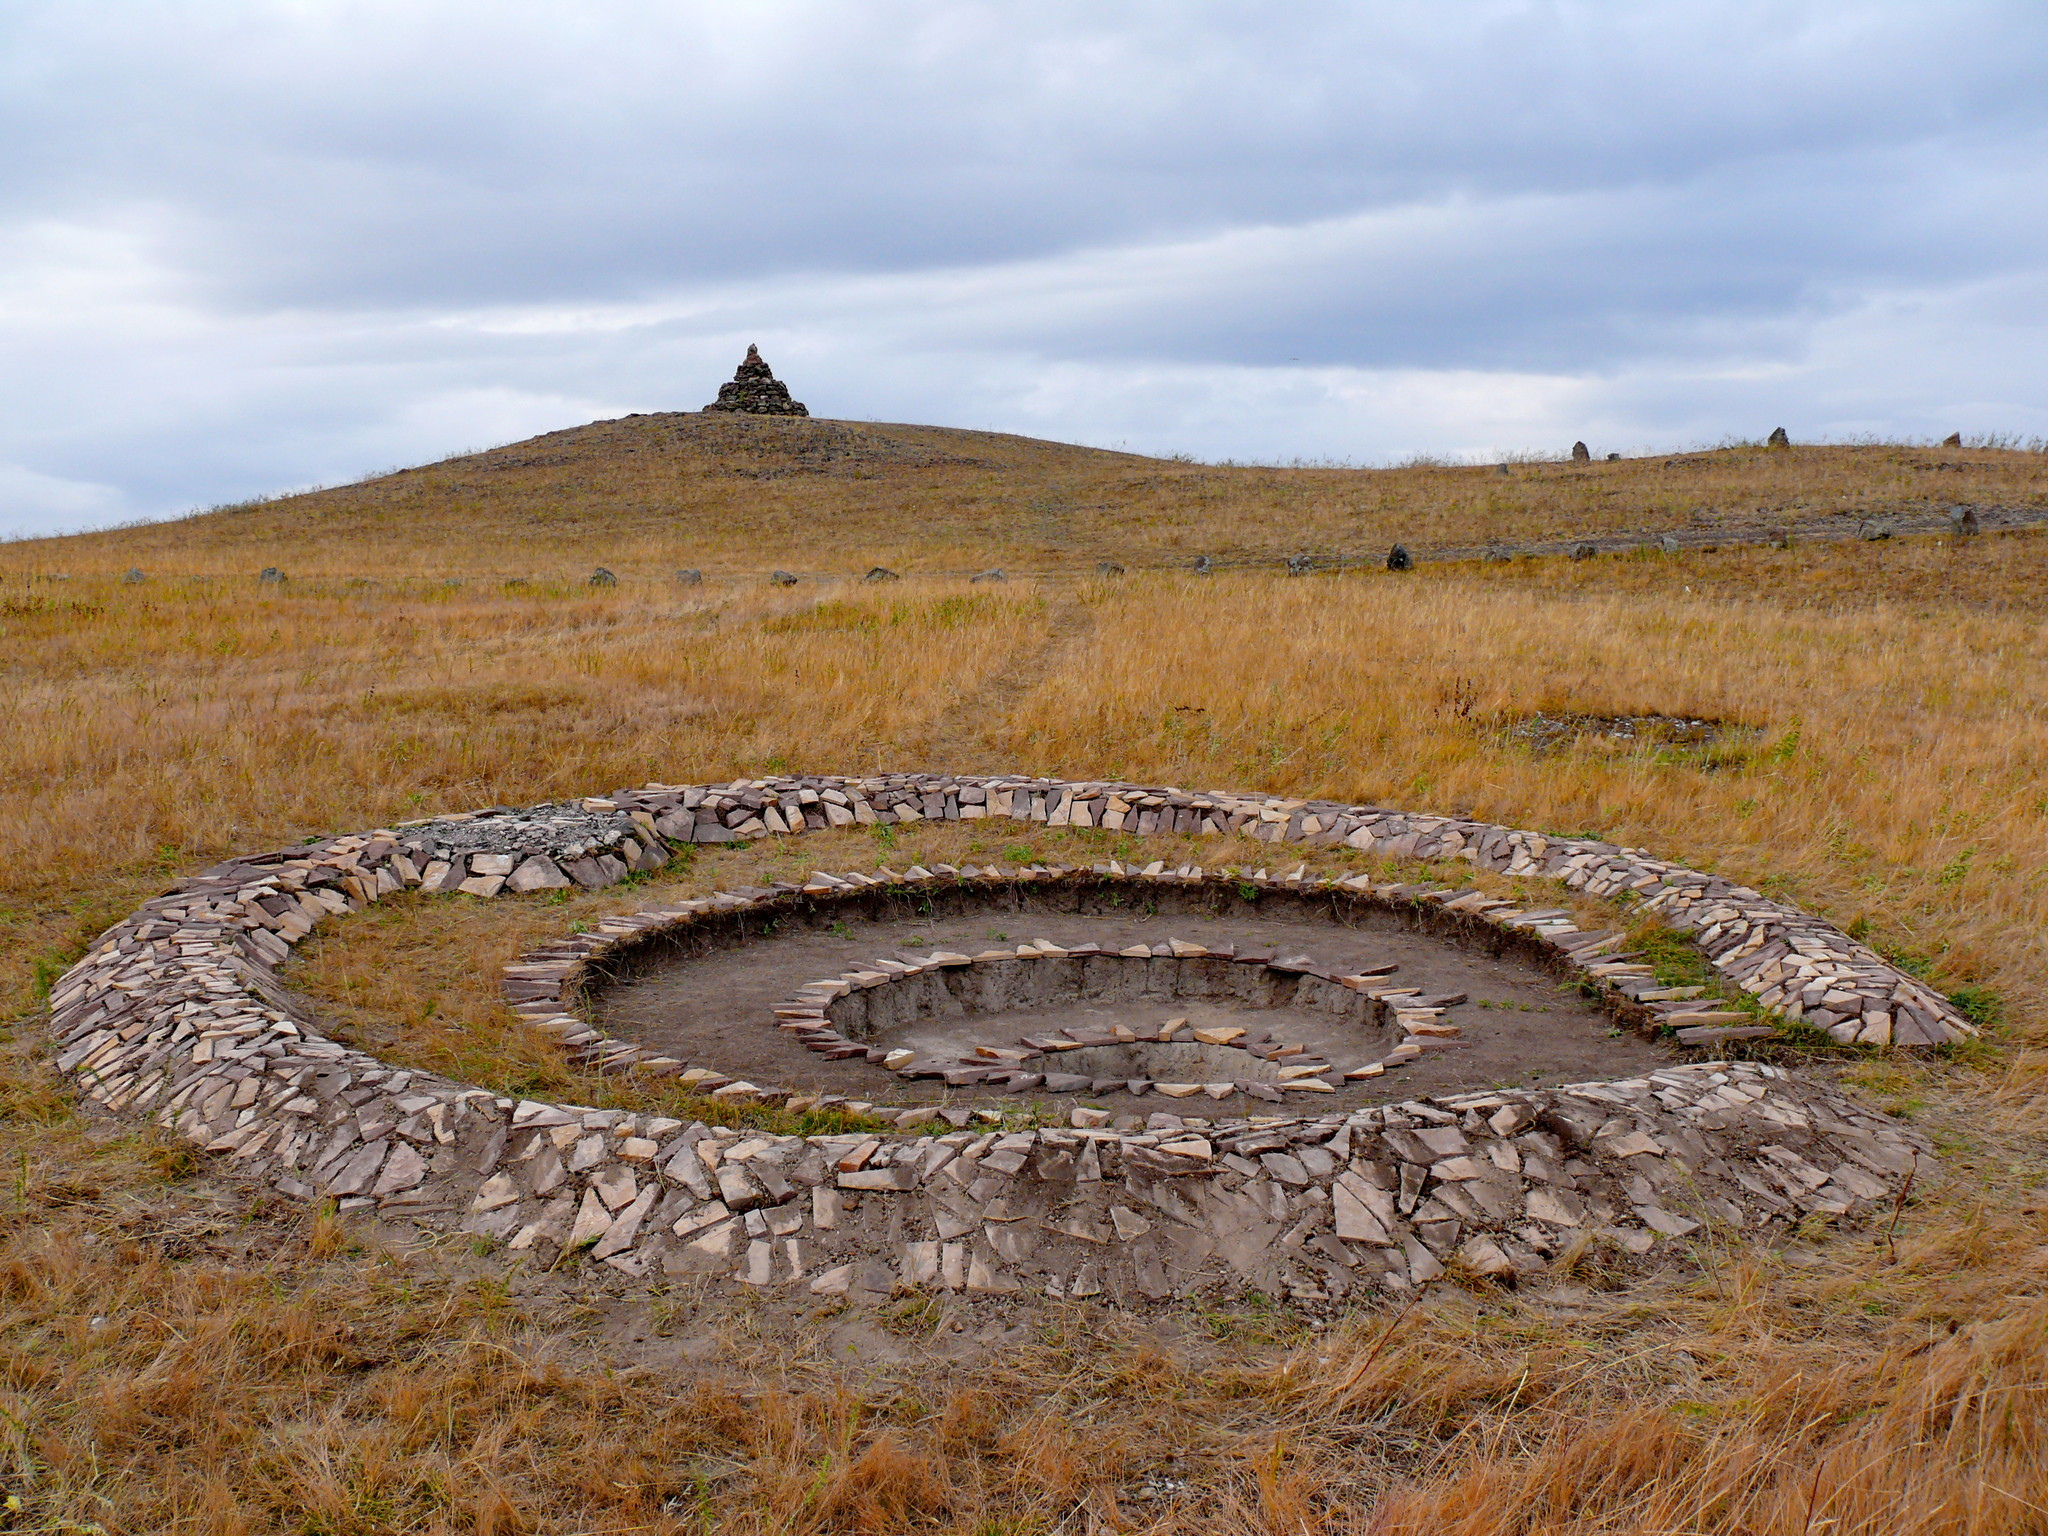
point(755, 391)
point(177, 1012)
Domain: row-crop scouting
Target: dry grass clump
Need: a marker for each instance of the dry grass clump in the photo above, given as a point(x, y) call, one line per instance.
point(645, 495)
point(170, 1361)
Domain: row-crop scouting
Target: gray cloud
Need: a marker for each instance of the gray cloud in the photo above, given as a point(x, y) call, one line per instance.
point(249, 246)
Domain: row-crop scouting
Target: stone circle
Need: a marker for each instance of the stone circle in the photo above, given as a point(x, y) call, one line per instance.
point(178, 1013)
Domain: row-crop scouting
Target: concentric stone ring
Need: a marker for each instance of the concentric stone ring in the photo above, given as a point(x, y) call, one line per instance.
point(177, 1012)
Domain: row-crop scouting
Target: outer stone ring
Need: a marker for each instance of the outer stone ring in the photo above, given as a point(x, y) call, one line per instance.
point(177, 1012)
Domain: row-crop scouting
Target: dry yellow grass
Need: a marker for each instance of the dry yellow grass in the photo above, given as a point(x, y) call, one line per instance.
point(1923, 577)
point(645, 495)
point(282, 1372)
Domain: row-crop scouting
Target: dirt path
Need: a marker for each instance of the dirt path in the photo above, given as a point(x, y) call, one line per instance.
point(955, 741)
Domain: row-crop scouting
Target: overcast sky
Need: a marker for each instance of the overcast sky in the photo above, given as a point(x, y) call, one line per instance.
point(248, 247)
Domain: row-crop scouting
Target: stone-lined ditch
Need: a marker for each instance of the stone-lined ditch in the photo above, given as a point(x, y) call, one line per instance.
point(1334, 972)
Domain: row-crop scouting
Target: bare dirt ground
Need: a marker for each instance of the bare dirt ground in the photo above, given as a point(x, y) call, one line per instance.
point(1519, 1025)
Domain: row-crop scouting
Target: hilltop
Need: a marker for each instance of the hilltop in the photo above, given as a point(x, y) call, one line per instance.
point(733, 494)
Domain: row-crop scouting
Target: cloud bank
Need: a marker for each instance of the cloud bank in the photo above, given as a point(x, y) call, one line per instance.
point(251, 246)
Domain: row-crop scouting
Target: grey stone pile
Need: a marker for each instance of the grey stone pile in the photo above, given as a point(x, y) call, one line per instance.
point(178, 1013)
point(755, 391)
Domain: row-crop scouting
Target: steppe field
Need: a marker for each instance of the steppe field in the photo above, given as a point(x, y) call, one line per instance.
point(179, 1354)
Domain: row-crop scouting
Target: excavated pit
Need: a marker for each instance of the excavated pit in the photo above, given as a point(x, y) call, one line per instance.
point(705, 994)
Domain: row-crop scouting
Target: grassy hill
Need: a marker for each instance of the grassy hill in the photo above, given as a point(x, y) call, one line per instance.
point(184, 1357)
point(729, 494)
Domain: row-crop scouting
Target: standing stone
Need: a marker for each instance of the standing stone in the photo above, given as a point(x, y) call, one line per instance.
point(755, 391)
point(603, 578)
point(1501, 469)
point(272, 575)
point(1779, 438)
point(1398, 559)
point(1669, 543)
point(1953, 440)
point(1300, 565)
point(134, 575)
point(1963, 520)
point(1581, 454)
point(1873, 530)
point(690, 578)
point(1585, 551)
point(1204, 566)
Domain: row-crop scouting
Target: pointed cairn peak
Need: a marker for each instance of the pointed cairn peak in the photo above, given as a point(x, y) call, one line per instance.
point(755, 391)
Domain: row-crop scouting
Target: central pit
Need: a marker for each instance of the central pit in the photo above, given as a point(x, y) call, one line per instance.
point(1283, 997)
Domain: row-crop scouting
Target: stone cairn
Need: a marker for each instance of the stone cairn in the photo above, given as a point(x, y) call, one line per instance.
point(178, 1012)
point(755, 391)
